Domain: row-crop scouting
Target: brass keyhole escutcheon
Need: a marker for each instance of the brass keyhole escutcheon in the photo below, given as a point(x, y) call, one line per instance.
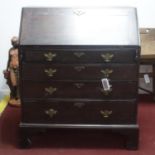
point(79, 104)
point(79, 68)
point(79, 54)
point(79, 85)
point(79, 12)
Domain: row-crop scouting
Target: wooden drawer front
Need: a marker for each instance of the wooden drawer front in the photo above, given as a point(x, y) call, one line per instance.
point(79, 72)
point(71, 56)
point(87, 112)
point(55, 89)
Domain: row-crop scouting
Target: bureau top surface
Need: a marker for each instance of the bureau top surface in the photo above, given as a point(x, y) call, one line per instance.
point(79, 26)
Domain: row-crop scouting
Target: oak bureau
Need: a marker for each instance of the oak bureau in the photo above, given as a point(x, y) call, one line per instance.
point(79, 70)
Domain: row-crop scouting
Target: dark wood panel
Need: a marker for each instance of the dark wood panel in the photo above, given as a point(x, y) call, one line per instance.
point(81, 56)
point(43, 72)
point(86, 112)
point(78, 89)
point(79, 26)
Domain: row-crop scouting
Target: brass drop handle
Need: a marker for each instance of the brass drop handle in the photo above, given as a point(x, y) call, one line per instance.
point(107, 57)
point(106, 92)
point(51, 112)
point(106, 72)
point(50, 90)
point(79, 68)
point(49, 56)
point(79, 54)
point(105, 113)
point(50, 72)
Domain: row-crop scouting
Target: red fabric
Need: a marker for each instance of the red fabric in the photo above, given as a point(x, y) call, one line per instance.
point(72, 143)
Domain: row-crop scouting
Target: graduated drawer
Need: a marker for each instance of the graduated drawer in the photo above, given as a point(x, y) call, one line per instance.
point(42, 72)
point(81, 56)
point(86, 112)
point(79, 89)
